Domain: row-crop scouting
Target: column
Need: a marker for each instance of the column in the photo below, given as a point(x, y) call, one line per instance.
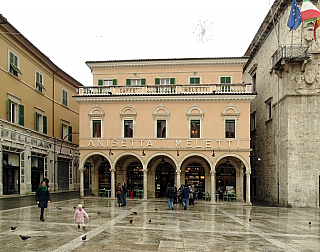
point(145, 182)
point(113, 189)
point(81, 169)
point(178, 178)
point(213, 186)
point(248, 174)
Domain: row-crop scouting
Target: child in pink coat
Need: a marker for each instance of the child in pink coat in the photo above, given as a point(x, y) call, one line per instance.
point(79, 216)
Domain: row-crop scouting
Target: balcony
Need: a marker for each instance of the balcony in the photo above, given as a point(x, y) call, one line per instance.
point(289, 53)
point(166, 90)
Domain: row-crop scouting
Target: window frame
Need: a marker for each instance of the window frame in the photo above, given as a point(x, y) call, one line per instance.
point(193, 78)
point(39, 82)
point(16, 112)
point(165, 132)
point(40, 122)
point(128, 113)
point(93, 120)
point(65, 100)
point(124, 128)
point(269, 106)
point(66, 128)
point(225, 128)
point(14, 66)
point(198, 116)
point(190, 126)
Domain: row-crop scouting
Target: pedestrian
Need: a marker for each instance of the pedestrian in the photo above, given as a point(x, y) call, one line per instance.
point(42, 198)
point(47, 181)
point(185, 196)
point(170, 196)
point(124, 194)
point(119, 194)
point(190, 195)
point(193, 189)
point(79, 216)
point(175, 195)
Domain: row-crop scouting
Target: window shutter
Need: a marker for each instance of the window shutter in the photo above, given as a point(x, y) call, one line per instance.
point(9, 108)
point(70, 133)
point(114, 82)
point(44, 118)
point(143, 81)
point(157, 81)
point(62, 131)
point(191, 80)
point(21, 115)
point(128, 82)
point(222, 80)
point(100, 82)
point(228, 80)
point(172, 81)
point(36, 120)
point(197, 80)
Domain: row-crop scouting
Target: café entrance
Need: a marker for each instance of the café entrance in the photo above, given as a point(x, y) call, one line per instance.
point(164, 175)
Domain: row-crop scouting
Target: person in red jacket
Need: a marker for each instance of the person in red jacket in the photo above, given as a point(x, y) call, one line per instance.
point(79, 216)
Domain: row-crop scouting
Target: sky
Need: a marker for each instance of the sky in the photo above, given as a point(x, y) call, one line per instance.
point(72, 32)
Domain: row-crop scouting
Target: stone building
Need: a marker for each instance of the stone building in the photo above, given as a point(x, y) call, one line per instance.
point(38, 117)
point(284, 69)
point(152, 122)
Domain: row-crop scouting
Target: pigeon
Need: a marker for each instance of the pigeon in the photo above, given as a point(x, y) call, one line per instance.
point(59, 208)
point(24, 237)
point(134, 212)
point(156, 209)
point(249, 219)
point(13, 228)
point(131, 221)
point(84, 237)
point(150, 220)
point(309, 222)
point(99, 213)
point(74, 207)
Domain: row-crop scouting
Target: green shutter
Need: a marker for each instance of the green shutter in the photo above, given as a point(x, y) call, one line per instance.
point(228, 80)
point(21, 115)
point(44, 118)
point(114, 82)
point(172, 81)
point(157, 81)
point(70, 133)
point(222, 80)
point(197, 80)
point(36, 121)
point(128, 82)
point(191, 80)
point(9, 108)
point(100, 82)
point(62, 131)
point(143, 81)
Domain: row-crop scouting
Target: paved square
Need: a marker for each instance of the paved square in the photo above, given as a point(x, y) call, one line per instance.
point(203, 227)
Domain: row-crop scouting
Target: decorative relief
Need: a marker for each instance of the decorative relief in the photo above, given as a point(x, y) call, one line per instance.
point(307, 82)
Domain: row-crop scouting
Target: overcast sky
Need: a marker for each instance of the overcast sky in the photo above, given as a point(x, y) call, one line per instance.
point(72, 32)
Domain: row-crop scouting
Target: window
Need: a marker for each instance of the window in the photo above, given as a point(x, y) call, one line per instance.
point(39, 82)
point(66, 130)
point(194, 80)
point(195, 128)
point(107, 82)
point(64, 97)
point(40, 122)
point(161, 128)
point(96, 128)
point(128, 128)
point(269, 108)
point(15, 110)
point(14, 64)
point(254, 82)
point(253, 121)
point(135, 82)
point(230, 129)
point(225, 80)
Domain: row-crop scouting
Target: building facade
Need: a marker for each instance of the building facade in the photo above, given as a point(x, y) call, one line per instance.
point(38, 118)
point(148, 123)
point(284, 69)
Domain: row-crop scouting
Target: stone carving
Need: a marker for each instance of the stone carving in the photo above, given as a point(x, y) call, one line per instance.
point(307, 83)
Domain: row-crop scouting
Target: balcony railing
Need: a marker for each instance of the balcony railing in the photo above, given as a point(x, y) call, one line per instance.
point(291, 53)
point(166, 89)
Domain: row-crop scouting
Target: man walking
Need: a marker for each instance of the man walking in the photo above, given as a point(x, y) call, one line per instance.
point(185, 197)
point(170, 196)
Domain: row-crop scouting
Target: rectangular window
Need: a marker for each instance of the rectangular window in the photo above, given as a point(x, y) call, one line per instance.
point(107, 82)
point(254, 82)
point(15, 112)
point(253, 121)
point(40, 123)
point(64, 97)
point(195, 129)
point(269, 108)
point(136, 82)
point(14, 64)
point(230, 129)
point(64, 130)
point(39, 82)
point(194, 80)
point(225, 80)
point(96, 128)
point(161, 128)
point(128, 128)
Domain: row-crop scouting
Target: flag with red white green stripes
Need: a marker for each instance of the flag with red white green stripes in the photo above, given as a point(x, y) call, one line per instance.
point(308, 11)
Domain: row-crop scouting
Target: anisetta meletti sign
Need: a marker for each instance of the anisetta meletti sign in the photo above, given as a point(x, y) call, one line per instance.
point(165, 143)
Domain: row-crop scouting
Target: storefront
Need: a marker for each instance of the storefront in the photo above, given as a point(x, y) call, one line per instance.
point(11, 170)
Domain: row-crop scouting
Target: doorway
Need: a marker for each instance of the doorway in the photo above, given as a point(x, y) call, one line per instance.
point(164, 175)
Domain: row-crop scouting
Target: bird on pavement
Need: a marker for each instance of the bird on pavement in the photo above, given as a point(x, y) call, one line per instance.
point(24, 237)
point(156, 209)
point(309, 222)
point(13, 228)
point(84, 237)
point(74, 207)
point(150, 220)
point(134, 212)
point(99, 213)
point(249, 219)
point(131, 221)
point(59, 208)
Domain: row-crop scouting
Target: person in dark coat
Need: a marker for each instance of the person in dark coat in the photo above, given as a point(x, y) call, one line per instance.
point(185, 197)
point(119, 194)
point(170, 196)
point(42, 198)
point(124, 194)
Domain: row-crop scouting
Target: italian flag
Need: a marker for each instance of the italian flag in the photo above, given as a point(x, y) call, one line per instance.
point(309, 11)
point(316, 25)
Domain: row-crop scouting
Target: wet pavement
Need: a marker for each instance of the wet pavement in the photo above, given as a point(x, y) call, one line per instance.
point(203, 227)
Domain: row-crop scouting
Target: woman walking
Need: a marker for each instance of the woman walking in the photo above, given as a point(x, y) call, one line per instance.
point(42, 198)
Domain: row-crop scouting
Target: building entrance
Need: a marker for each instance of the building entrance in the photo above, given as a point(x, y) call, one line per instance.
point(105, 176)
point(164, 175)
point(195, 175)
point(11, 173)
point(226, 178)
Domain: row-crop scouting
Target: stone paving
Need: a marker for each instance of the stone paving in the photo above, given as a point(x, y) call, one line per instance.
point(203, 227)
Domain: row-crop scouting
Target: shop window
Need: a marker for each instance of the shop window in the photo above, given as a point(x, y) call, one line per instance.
point(135, 176)
point(195, 175)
